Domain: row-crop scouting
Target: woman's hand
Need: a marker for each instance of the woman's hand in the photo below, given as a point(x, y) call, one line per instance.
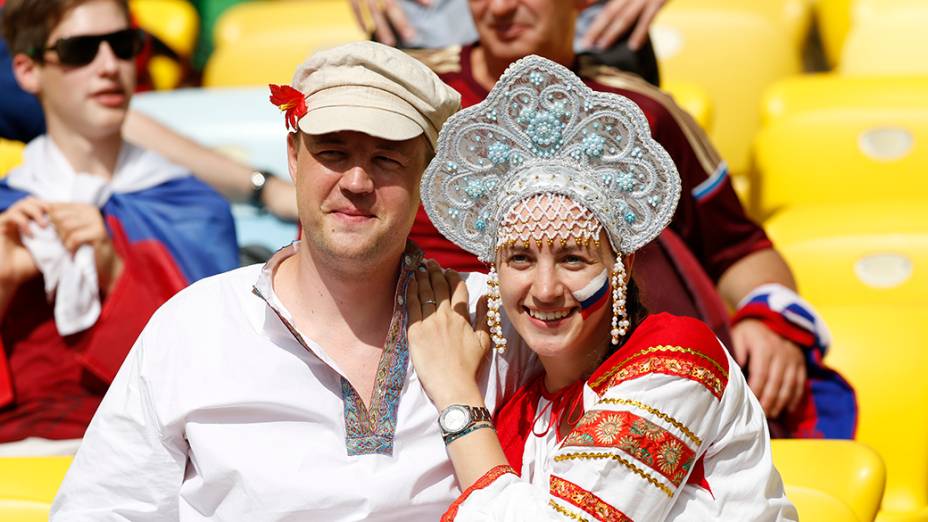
point(446, 351)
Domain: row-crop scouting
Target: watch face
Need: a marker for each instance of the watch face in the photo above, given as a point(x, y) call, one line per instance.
point(454, 419)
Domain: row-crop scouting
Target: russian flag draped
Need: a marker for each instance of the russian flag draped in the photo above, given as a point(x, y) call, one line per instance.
point(169, 230)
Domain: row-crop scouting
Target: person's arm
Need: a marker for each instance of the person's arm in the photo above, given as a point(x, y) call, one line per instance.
point(776, 365)
point(130, 465)
point(391, 27)
point(446, 353)
point(229, 177)
point(749, 272)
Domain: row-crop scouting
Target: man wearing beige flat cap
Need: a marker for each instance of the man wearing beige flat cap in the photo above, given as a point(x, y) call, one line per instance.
point(284, 391)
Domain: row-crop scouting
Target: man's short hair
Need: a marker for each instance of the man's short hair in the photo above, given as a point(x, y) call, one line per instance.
point(27, 23)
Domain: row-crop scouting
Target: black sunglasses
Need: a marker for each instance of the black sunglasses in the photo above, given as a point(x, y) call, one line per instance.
point(81, 50)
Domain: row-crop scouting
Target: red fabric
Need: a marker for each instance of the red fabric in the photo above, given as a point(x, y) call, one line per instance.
point(514, 422)
point(515, 419)
point(698, 477)
point(488, 478)
point(58, 382)
point(150, 277)
point(6, 382)
point(666, 330)
point(716, 229)
point(671, 280)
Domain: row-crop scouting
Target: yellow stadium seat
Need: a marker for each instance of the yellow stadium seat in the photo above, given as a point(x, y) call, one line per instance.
point(266, 59)
point(856, 253)
point(846, 470)
point(244, 21)
point(842, 154)
point(887, 41)
point(23, 511)
point(834, 21)
point(693, 99)
point(817, 506)
point(881, 351)
point(174, 22)
point(11, 155)
point(734, 54)
point(32, 479)
point(792, 16)
point(815, 92)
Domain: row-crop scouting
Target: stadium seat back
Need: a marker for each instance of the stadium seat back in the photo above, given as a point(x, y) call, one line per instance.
point(839, 155)
point(833, 18)
point(818, 506)
point(693, 99)
point(11, 155)
point(887, 41)
point(792, 16)
point(32, 479)
point(856, 253)
point(881, 351)
point(12, 510)
point(174, 22)
point(846, 470)
point(245, 21)
point(733, 54)
point(267, 59)
point(816, 92)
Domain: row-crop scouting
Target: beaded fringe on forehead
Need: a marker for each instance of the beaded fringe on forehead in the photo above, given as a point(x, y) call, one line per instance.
point(548, 218)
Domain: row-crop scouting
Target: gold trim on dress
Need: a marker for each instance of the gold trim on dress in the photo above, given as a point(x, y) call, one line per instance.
point(653, 349)
point(618, 458)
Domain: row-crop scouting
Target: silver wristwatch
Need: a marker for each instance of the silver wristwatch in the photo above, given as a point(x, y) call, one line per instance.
point(458, 417)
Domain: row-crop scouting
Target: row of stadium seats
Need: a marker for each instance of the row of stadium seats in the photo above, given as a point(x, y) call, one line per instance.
point(847, 489)
point(838, 176)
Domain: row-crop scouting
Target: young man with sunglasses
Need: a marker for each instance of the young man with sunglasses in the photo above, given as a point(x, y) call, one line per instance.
point(95, 233)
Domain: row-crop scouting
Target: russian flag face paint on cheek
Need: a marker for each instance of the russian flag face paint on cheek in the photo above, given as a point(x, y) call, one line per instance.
point(594, 295)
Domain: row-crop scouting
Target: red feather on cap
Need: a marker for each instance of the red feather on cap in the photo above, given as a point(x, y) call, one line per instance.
point(290, 101)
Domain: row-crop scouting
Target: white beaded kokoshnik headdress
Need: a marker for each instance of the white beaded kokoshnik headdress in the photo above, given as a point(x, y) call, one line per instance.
point(542, 131)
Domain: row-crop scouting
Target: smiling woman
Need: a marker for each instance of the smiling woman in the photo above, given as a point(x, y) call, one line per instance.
point(634, 417)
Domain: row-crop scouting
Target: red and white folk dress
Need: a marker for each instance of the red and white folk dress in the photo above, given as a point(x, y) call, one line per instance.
point(670, 432)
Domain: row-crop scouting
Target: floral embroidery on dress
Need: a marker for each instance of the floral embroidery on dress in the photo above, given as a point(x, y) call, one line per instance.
point(371, 431)
point(640, 438)
point(585, 500)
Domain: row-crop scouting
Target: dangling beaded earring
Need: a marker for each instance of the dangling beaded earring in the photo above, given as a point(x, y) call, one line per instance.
point(619, 320)
point(494, 304)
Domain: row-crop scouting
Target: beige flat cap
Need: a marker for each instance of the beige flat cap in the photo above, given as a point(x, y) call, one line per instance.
point(375, 89)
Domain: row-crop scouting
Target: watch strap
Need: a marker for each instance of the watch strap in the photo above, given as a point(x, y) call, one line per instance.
point(259, 179)
point(451, 437)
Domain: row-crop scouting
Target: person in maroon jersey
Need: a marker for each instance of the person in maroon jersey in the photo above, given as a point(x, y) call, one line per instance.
point(711, 249)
